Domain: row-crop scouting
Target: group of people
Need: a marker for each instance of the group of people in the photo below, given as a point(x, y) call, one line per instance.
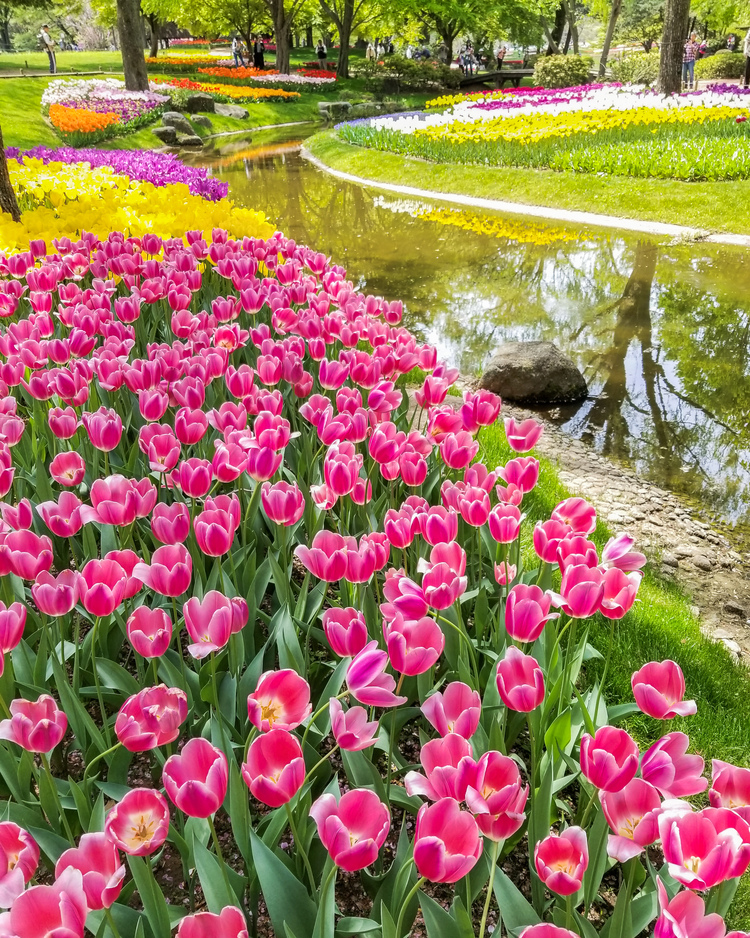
point(239, 50)
point(697, 50)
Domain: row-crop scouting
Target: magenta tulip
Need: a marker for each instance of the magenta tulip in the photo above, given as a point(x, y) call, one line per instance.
point(442, 585)
point(149, 631)
point(169, 572)
point(548, 535)
point(505, 523)
point(62, 517)
point(546, 930)
point(367, 680)
point(438, 525)
point(170, 524)
point(12, 622)
point(350, 728)
point(28, 553)
point(617, 553)
point(139, 824)
point(196, 779)
point(56, 596)
point(685, 917)
point(194, 477)
point(449, 767)
point(151, 718)
point(326, 557)
point(730, 788)
point(98, 861)
point(523, 437)
point(561, 860)
point(447, 844)
point(68, 469)
point(498, 797)
point(346, 631)
point(632, 814)
point(214, 531)
point(658, 688)
point(582, 590)
point(527, 612)
point(102, 586)
point(229, 923)
point(413, 645)
point(578, 513)
point(698, 855)
point(458, 449)
point(454, 710)
point(19, 859)
point(36, 726)
point(275, 769)
point(51, 911)
point(209, 622)
point(354, 830)
point(521, 472)
point(609, 759)
point(520, 681)
point(281, 701)
point(283, 503)
point(104, 428)
point(667, 767)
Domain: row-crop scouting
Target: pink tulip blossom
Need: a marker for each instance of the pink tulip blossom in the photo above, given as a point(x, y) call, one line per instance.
point(523, 437)
point(578, 513)
point(658, 688)
point(527, 610)
point(56, 596)
point(169, 572)
point(98, 861)
point(520, 681)
point(151, 718)
point(229, 923)
point(196, 779)
point(275, 768)
point(561, 860)
point(454, 710)
point(138, 825)
point(170, 524)
point(730, 788)
point(208, 622)
point(413, 645)
point(149, 631)
point(354, 830)
point(617, 553)
point(632, 814)
point(346, 631)
point(350, 728)
point(609, 759)
point(685, 916)
point(326, 556)
point(281, 700)
point(28, 553)
point(667, 767)
point(36, 726)
point(698, 855)
point(497, 797)
point(447, 844)
point(368, 681)
point(68, 469)
point(282, 502)
point(56, 910)
point(19, 859)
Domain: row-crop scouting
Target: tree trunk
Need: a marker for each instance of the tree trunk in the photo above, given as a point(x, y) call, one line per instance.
point(613, 14)
point(566, 44)
point(309, 36)
point(5, 12)
point(153, 22)
point(281, 31)
point(131, 44)
point(554, 38)
point(345, 34)
point(8, 201)
point(676, 15)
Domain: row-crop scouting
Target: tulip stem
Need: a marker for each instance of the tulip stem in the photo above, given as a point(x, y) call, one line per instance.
point(76, 643)
point(97, 685)
point(97, 759)
point(219, 854)
point(587, 810)
point(324, 891)
point(111, 921)
point(467, 640)
point(299, 846)
point(320, 762)
point(45, 762)
point(490, 884)
point(314, 717)
point(532, 748)
point(569, 913)
point(179, 643)
point(390, 746)
point(606, 668)
point(155, 669)
point(4, 707)
point(412, 892)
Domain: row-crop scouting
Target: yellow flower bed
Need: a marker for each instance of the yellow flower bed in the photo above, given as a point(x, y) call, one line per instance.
point(62, 200)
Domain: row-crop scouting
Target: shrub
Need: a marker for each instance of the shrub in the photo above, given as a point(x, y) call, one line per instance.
point(641, 68)
point(562, 71)
point(721, 65)
point(398, 72)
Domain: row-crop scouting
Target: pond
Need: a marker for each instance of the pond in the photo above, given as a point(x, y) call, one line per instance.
point(660, 330)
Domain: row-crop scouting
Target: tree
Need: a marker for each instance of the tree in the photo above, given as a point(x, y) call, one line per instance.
point(8, 202)
point(246, 17)
point(7, 10)
point(282, 15)
point(641, 21)
point(347, 15)
point(673, 37)
point(614, 13)
point(130, 31)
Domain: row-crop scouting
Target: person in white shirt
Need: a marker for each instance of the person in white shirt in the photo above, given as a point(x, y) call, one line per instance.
point(746, 50)
point(49, 47)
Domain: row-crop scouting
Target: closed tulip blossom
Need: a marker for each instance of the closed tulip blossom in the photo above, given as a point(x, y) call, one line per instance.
point(282, 502)
point(632, 814)
point(104, 428)
point(520, 681)
point(229, 923)
point(582, 590)
point(346, 631)
point(454, 710)
point(479, 409)
point(505, 523)
point(547, 536)
point(698, 855)
point(169, 572)
point(527, 612)
point(474, 506)
point(68, 469)
point(113, 501)
point(151, 718)
point(354, 830)
point(102, 586)
point(208, 622)
point(458, 449)
point(350, 728)
point(62, 517)
point(609, 759)
point(442, 585)
point(281, 700)
point(667, 766)
point(368, 681)
point(56, 911)
point(139, 824)
point(561, 860)
point(438, 525)
point(149, 631)
point(196, 779)
point(449, 767)
point(98, 861)
point(214, 531)
point(326, 556)
point(659, 688)
point(523, 437)
point(35, 725)
point(19, 859)
point(447, 844)
point(56, 596)
point(194, 477)
point(28, 553)
point(497, 797)
point(521, 472)
point(730, 788)
point(404, 596)
point(275, 768)
point(170, 524)
point(546, 930)
point(12, 622)
point(620, 591)
point(127, 559)
point(684, 916)
point(413, 645)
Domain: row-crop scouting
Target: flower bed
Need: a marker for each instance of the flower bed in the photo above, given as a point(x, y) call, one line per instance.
point(227, 93)
point(700, 135)
point(184, 63)
point(250, 75)
point(246, 586)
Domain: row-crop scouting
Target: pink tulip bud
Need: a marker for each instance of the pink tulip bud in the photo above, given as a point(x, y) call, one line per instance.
point(97, 860)
point(214, 532)
point(102, 586)
point(439, 525)
point(454, 710)
point(139, 824)
point(350, 728)
point(149, 631)
point(104, 428)
point(497, 798)
point(520, 681)
point(170, 524)
point(658, 688)
point(209, 622)
point(196, 779)
point(346, 631)
point(609, 759)
point(62, 517)
point(578, 513)
point(561, 860)
point(620, 591)
point(685, 916)
point(68, 469)
point(190, 426)
point(281, 700)
point(632, 814)
point(326, 558)
point(19, 859)
point(367, 680)
point(447, 844)
point(354, 830)
point(153, 404)
point(527, 612)
point(151, 718)
point(63, 422)
point(194, 477)
point(229, 923)
point(169, 572)
point(56, 596)
point(59, 909)
point(413, 645)
point(449, 769)
point(505, 573)
point(666, 766)
point(12, 622)
point(442, 585)
point(505, 523)
point(283, 503)
point(36, 726)
point(458, 449)
point(275, 769)
point(523, 437)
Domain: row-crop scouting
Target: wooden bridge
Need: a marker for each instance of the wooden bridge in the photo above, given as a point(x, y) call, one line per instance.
point(498, 78)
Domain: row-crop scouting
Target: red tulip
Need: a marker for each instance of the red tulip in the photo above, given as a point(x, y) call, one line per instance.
point(523, 437)
point(209, 622)
point(97, 860)
point(102, 586)
point(229, 923)
point(454, 710)
point(447, 844)
point(151, 718)
point(196, 779)
point(350, 728)
point(56, 911)
point(149, 631)
point(658, 688)
point(56, 596)
point(667, 767)
point(139, 824)
point(169, 572)
point(685, 917)
point(19, 859)
point(36, 726)
point(283, 503)
point(281, 700)
point(275, 769)
point(62, 517)
point(609, 759)
point(413, 645)
point(326, 557)
point(354, 830)
point(561, 860)
point(449, 769)
point(346, 631)
point(170, 524)
point(632, 814)
point(497, 797)
point(367, 680)
point(527, 612)
point(520, 681)
point(68, 469)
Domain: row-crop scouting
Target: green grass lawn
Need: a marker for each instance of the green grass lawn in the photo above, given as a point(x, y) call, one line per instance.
point(695, 204)
point(66, 61)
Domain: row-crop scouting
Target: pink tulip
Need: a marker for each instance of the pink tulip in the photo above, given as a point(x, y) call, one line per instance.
point(229, 923)
point(19, 859)
point(214, 532)
point(546, 930)
point(209, 622)
point(620, 591)
point(561, 860)
point(97, 860)
point(474, 506)
point(505, 573)
point(56, 911)
point(520, 681)
point(413, 645)
point(56, 596)
point(326, 557)
point(617, 553)
point(281, 700)
point(102, 586)
point(196, 779)
point(283, 503)
point(139, 824)
point(149, 631)
point(432, 392)
point(62, 517)
point(548, 535)
point(527, 612)
point(458, 449)
point(170, 524)
point(498, 797)
point(404, 596)
point(521, 472)
point(36, 726)
point(104, 428)
point(346, 631)
point(454, 710)
point(275, 768)
point(632, 814)
point(153, 403)
point(449, 769)
point(151, 718)
point(160, 446)
point(442, 586)
point(582, 589)
point(730, 788)
point(367, 680)
point(68, 469)
point(438, 525)
point(194, 477)
point(341, 468)
point(12, 622)
point(523, 437)
point(698, 855)
point(350, 728)
point(127, 560)
point(63, 422)
point(447, 844)
point(479, 409)
point(724, 820)
point(658, 688)
point(575, 550)
point(666, 766)
point(577, 513)
point(505, 523)
point(20, 517)
point(28, 553)
point(609, 759)
point(354, 830)
point(361, 559)
point(113, 501)
point(685, 917)
point(169, 572)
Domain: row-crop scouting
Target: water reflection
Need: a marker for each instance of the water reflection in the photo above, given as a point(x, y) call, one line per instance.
point(660, 330)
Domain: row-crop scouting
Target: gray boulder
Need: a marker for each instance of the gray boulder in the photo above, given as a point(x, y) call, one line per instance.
point(533, 373)
point(189, 140)
point(334, 109)
point(200, 121)
point(180, 123)
point(167, 135)
point(231, 110)
point(199, 102)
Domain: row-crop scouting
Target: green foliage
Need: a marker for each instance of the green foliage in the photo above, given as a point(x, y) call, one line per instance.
point(641, 21)
point(721, 65)
point(562, 71)
point(640, 68)
point(398, 73)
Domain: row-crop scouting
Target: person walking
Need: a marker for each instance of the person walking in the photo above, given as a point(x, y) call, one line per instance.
point(370, 53)
point(501, 53)
point(48, 44)
point(322, 53)
point(259, 50)
point(688, 62)
point(237, 52)
point(746, 50)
